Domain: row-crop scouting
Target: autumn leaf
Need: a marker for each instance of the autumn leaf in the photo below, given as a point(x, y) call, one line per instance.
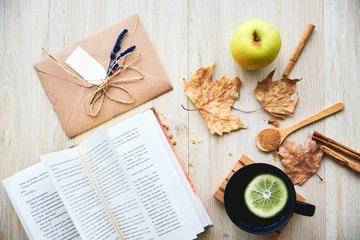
point(214, 99)
point(275, 96)
point(300, 162)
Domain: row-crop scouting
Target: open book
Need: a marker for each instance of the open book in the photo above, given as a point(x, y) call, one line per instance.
point(123, 183)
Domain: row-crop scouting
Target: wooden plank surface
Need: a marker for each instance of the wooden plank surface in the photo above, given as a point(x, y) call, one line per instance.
point(186, 35)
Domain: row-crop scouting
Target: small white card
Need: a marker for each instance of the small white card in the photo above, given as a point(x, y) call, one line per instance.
point(86, 66)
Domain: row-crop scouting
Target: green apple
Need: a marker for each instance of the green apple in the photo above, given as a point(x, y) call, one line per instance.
point(255, 44)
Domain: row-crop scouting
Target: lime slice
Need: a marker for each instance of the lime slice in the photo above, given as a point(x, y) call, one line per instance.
point(266, 195)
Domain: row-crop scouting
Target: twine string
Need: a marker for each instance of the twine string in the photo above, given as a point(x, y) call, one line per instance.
point(105, 84)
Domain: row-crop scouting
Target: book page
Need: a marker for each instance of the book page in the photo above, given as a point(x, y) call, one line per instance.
point(83, 203)
point(39, 206)
point(163, 144)
point(151, 180)
point(177, 176)
point(116, 187)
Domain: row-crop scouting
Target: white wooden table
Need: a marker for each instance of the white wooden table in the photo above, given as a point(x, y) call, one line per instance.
point(186, 35)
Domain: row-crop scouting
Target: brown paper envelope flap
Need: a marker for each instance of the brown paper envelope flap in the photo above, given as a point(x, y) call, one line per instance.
point(63, 95)
point(150, 62)
point(68, 98)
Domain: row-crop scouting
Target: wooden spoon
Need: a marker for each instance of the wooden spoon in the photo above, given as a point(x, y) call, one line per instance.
point(269, 139)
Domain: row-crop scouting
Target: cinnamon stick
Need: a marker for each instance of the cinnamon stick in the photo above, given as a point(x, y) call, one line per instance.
point(341, 159)
point(336, 145)
point(304, 38)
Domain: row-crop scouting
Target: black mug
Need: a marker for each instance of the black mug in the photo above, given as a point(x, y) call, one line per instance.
point(242, 217)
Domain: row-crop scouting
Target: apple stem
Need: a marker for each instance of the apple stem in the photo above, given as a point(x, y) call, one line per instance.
point(256, 37)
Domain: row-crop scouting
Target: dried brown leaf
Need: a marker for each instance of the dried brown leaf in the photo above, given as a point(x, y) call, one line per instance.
point(300, 162)
point(275, 96)
point(214, 99)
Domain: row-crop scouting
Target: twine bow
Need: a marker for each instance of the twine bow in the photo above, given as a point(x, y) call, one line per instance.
point(97, 97)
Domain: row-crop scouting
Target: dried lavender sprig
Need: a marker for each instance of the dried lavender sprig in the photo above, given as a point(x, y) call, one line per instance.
point(115, 65)
point(130, 49)
point(116, 47)
point(113, 55)
point(117, 44)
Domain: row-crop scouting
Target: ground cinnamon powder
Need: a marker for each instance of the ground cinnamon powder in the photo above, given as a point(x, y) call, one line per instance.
point(269, 139)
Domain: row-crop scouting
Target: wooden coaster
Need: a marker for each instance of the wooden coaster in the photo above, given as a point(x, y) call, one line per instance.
point(219, 193)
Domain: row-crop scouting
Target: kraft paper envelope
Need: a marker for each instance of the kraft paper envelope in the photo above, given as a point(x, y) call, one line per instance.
point(67, 94)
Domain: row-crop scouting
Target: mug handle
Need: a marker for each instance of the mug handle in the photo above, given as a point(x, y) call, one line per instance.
point(303, 208)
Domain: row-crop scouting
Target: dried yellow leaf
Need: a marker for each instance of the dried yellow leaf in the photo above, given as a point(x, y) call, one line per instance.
point(214, 99)
point(275, 96)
